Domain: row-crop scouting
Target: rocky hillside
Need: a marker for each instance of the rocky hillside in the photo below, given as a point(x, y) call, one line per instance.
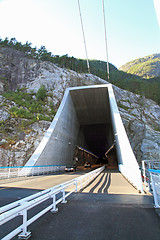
point(147, 67)
point(23, 123)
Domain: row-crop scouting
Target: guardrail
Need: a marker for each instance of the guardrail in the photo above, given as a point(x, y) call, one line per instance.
point(24, 171)
point(155, 182)
point(148, 164)
point(57, 194)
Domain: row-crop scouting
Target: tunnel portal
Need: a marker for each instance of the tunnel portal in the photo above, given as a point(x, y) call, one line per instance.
point(88, 116)
point(93, 113)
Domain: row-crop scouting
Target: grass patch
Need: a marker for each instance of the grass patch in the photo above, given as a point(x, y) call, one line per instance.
point(122, 106)
point(29, 107)
point(156, 128)
point(20, 112)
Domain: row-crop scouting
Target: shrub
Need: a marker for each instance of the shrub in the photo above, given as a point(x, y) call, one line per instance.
point(41, 94)
point(20, 112)
point(30, 108)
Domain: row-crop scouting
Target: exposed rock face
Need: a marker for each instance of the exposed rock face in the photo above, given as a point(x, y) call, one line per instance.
point(56, 80)
point(16, 69)
point(141, 117)
point(17, 152)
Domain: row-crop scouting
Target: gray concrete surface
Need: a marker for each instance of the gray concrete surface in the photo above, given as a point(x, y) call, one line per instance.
point(41, 182)
point(108, 208)
point(110, 181)
point(88, 116)
point(58, 144)
point(80, 106)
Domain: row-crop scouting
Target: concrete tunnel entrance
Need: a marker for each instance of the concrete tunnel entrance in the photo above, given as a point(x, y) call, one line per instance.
point(95, 131)
point(88, 116)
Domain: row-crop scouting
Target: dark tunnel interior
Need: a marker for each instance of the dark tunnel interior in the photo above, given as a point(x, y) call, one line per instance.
point(98, 138)
point(93, 113)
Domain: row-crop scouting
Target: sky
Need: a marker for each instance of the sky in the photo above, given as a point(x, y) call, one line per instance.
point(132, 27)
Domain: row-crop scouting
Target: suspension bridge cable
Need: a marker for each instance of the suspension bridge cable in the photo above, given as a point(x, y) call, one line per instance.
point(83, 36)
point(105, 38)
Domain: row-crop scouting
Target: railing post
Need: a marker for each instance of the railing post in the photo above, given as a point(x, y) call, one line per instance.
point(144, 173)
point(26, 172)
point(54, 209)
point(149, 182)
point(24, 235)
point(154, 191)
point(9, 172)
point(81, 183)
point(63, 197)
point(18, 172)
point(32, 169)
point(76, 183)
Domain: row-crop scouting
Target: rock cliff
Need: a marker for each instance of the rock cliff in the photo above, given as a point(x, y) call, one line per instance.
point(20, 137)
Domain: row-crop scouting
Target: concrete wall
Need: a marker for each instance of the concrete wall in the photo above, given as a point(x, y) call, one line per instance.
point(58, 145)
point(128, 165)
point(82, 108)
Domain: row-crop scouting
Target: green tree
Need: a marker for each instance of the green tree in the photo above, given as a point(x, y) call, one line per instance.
point(12, 42)
point(27, 47)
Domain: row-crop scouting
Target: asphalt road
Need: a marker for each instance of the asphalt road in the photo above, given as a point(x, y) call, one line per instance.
point(90, 216)
point(16, 189)
point(111, 182)
point(97, 213)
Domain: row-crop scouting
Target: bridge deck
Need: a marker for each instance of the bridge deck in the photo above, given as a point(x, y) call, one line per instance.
point(111, 182)
point(108, 208)
point(41, 182)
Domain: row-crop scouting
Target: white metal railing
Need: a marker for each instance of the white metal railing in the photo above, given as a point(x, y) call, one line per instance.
point(155, 182)
point(58, 194)
point(149, 164)
point(23, 171)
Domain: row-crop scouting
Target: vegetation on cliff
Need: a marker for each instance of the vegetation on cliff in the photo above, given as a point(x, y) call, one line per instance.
point(30, 106)
point(148, 87)
point(146, 67)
